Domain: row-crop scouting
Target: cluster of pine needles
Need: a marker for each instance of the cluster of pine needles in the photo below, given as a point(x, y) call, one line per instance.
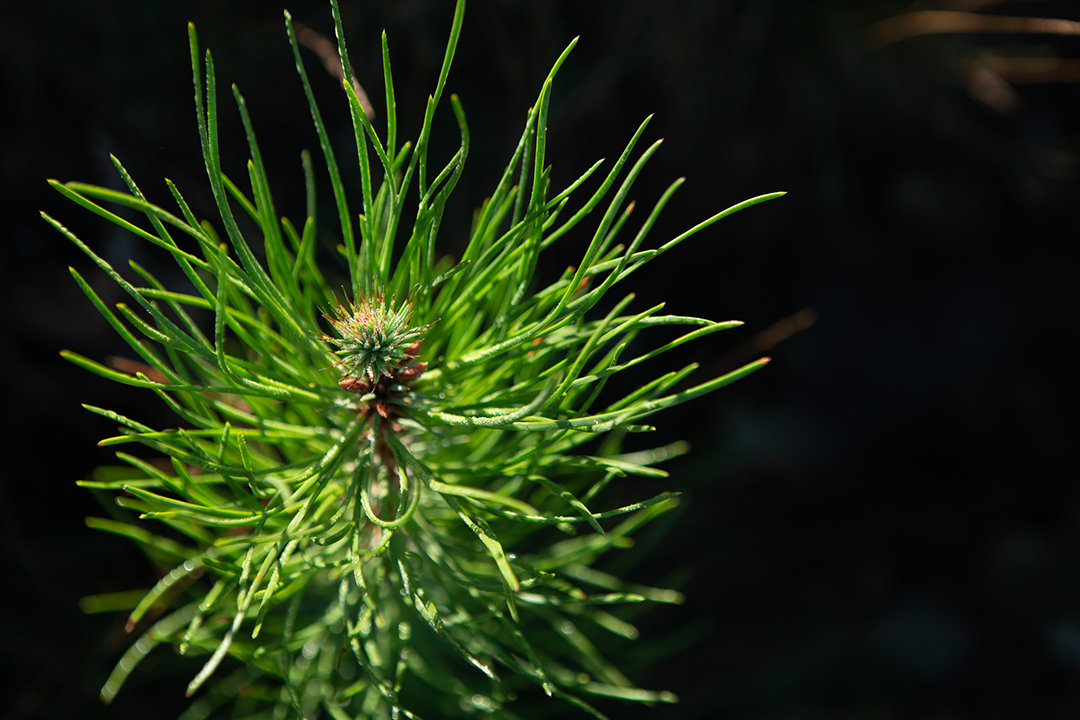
point(388, 504)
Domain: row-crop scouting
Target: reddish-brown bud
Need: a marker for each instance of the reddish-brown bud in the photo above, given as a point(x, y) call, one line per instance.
point(411, 373)
point(356, 385)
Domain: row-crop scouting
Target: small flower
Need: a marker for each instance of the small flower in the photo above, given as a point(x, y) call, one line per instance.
point(378, 350)
point(375, 340)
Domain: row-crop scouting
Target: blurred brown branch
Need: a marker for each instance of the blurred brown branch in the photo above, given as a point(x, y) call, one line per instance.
point(770, 337)
point(938, 22)
point(328, 54)
point(1022, 70)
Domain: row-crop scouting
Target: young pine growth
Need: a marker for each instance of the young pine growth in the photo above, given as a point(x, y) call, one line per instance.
point(390, 504)
point(378, 350)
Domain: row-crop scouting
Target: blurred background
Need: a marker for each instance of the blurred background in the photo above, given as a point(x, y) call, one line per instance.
point(885, 523)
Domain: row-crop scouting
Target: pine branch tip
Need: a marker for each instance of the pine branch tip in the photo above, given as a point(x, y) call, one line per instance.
point(256, 402)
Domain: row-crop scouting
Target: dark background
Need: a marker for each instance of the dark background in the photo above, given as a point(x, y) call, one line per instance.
point(885, 523)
